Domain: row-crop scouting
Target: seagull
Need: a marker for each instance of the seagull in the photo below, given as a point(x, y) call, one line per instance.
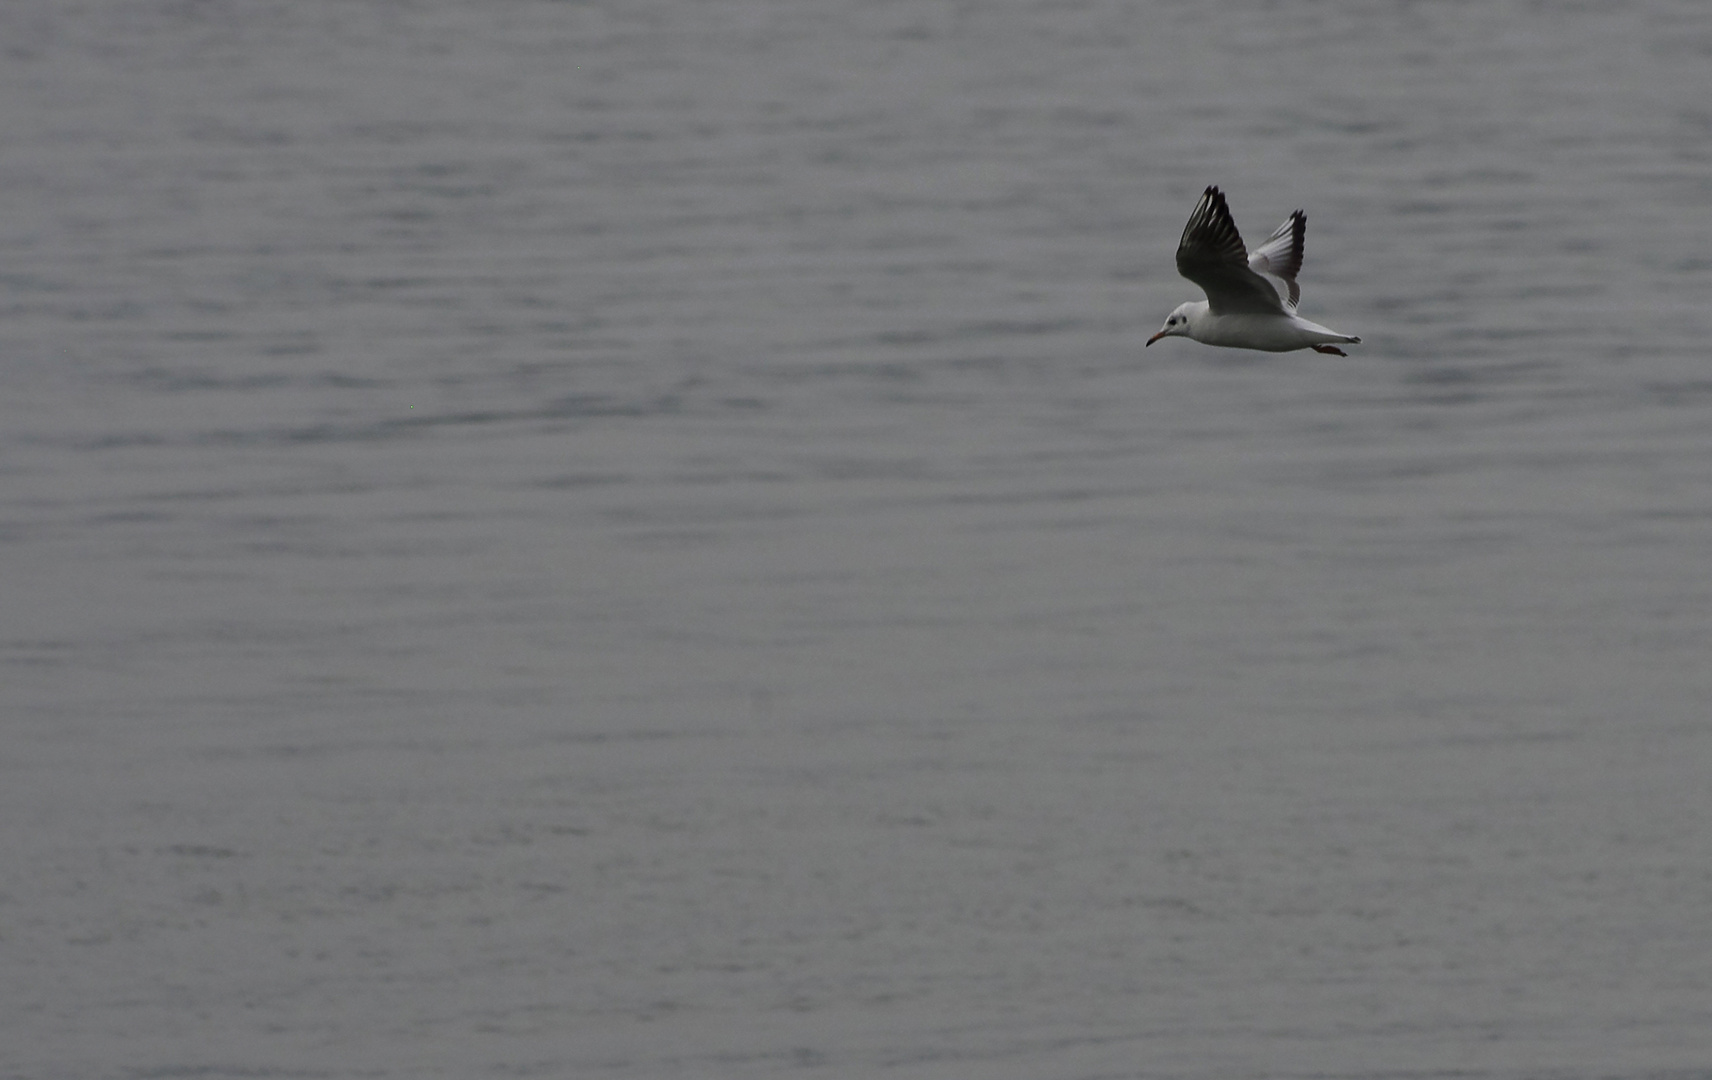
point(1243, 310)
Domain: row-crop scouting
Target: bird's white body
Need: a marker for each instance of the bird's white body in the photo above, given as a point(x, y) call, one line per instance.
point(1244, 309)
point(1268, 333)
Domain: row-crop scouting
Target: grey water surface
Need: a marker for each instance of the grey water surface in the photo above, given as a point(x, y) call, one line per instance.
point(640, 539)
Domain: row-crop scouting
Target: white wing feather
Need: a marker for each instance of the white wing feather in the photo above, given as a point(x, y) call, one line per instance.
point(1280, 257)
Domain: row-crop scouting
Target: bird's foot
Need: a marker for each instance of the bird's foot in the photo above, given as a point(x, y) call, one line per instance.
point(1333, 349)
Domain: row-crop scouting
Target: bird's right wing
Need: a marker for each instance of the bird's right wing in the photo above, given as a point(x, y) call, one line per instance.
point(1281, 255)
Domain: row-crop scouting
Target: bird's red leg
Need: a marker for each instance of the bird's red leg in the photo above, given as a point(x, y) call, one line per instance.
point(1333, 349)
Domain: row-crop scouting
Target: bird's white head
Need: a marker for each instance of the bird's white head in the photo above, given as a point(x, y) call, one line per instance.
point(1177, 323)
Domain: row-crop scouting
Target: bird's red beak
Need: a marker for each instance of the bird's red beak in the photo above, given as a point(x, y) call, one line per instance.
point(1154, 338)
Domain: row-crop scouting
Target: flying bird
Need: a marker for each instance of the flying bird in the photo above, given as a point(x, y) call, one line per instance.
point(1243, 310)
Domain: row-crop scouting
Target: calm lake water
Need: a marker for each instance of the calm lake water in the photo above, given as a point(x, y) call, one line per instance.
point(631, 540)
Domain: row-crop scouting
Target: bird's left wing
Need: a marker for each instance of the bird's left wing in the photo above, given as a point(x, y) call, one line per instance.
point(1211, 254)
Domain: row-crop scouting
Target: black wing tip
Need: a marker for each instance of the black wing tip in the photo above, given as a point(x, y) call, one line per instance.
point(1212, 205)
point(1211, 227)
point(1215, 207)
